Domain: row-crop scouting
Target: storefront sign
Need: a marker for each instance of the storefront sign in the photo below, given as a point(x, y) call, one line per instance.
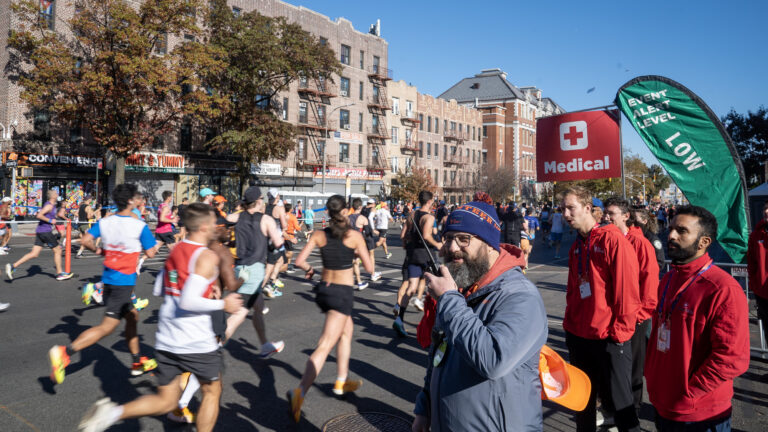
point(266, 169)
point(155, 162)
point(348, 137)
point(13, 159)
point(352, 173)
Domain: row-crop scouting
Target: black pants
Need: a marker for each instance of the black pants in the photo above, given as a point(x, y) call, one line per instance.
point(609, 367)
point(762, 313)
point(639, 344)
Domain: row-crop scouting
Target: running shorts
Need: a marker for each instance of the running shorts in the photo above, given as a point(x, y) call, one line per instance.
point(167, 238)
point(249, 299)
point(288, 246)
point(117, 299)
point(274, 255)
point(382, 233)
point(370, 243)
point(47, 239)
point(255, 276)
point(207, 367)
point(416, 270)
point(335, 297)
point(83, 228)
point(556, 237)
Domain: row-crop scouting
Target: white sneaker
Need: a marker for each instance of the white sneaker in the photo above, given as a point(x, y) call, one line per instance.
point(265, 310)
point(3, 252)
point(99, 417)
point(138, 267)
point(4, 306)
point(419, 303)
point(389, 255)
point(9, 271)
point(98, 297)
point(362, 285)
point(271, 348)
point(376, 276)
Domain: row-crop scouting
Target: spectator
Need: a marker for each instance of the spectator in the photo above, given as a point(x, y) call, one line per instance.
point(757, 267)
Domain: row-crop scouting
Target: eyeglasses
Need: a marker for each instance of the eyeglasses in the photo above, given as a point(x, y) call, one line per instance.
point(462, 240)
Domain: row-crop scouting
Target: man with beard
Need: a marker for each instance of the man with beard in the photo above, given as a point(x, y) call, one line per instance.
point(700, 337)
point(490, 326)
point(602, 302)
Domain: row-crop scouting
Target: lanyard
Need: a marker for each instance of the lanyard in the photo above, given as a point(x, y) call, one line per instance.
point(680, 294)
point(585, 251)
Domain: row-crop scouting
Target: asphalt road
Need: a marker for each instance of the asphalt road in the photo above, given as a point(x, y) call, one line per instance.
point(45, 312)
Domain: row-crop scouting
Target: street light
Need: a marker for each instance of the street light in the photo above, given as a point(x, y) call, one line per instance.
point(326, 136)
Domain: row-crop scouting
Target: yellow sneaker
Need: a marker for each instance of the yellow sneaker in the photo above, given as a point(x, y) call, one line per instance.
point(346, 386)
point(59, 360)
point(182, 415)
point(145, 364)
point(296, 399)
point(87, 292)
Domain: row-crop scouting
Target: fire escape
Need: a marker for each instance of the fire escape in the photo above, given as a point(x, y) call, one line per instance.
point(378, 104)
point(410, 121)
point(315, 97)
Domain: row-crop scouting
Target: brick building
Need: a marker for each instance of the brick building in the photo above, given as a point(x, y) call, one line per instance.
point(509, 123)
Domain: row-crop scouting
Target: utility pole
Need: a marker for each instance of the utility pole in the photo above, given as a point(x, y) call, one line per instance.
point(644, 196)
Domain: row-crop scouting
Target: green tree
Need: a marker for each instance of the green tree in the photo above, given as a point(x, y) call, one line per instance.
point(406, 186)
point(263, 56)
point(109, 69)
point(749, 133)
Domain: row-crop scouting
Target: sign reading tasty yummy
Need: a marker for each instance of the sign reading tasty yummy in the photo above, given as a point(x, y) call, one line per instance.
point(578, 146)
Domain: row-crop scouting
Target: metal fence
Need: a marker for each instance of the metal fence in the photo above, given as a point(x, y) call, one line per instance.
point(739, 272)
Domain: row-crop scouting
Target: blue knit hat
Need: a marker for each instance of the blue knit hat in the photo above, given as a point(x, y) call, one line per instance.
point(478, 218)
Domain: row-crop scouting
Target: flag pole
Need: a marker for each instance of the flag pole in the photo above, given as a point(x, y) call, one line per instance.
point(621, 155)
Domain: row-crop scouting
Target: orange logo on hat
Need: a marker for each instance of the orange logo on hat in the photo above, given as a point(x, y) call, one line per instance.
point(561, 382)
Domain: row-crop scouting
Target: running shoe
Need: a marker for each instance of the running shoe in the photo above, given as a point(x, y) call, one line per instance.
point(144, 365)
point(87, 293)
point(346, 387)
point(265, 310)
point(59, 360)
point(182, 415)
point(278, 283)
point(375, 276)
point(99, 417)
point(291, 269)
point(399, 327)
point(138, 266)
point(362, 285)
point(296, 400)
point(389, 255)
point(396, 309)
point(268, 292)
point(140, 303)
point(276, 292)
point(79, 254)
point(4, 306)
point(3, 252)
point(64, 276)
point(6, 248)
point(271, 348)
point(419, 303)
point(9, 271)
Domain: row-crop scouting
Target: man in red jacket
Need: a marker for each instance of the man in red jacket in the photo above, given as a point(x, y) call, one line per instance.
point(618, 212)
point(700, 336)
point(602, 303)
point(757, 267)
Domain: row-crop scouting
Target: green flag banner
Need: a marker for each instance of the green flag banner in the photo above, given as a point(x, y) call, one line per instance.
point(694, 148)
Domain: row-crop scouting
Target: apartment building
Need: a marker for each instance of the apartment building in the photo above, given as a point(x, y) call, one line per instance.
point(403, 147)
point(509, 123)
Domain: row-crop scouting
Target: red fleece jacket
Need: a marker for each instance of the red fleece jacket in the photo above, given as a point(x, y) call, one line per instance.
point(708, 344)
point(649, 272)
point(757, 260)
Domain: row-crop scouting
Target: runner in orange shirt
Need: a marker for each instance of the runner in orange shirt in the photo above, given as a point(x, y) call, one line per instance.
point(290, 235)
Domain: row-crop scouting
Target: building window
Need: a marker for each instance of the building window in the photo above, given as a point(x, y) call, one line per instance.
point(408, 137)
point(445, 177)
point(485, 157)
point(343, 152)
point(445, 151)
point(345, 54)
point(437, 151)
point(321, 115)
point(376, 61)
point(421, 149)
point(421, 121)
point(42, 124)
point(436, 178)
point(158, 142)
point(321, 148)
point(485, 131)
point(323, 41)
point(236, 11)
point(437, 125)
point(161, 44)
point(360, 154)
point(429, 123)
point(473, 133)
point(360, 122)
point(394, 135)
point(375, 122)
point(285, 108)
point(429, 150)
point(301, 152)
point(395, 106)
point(344, 119)
point(48, 13)
point(345, 87)
point(302, 112)
point(185, 137)
point(409, 109)
point(394, 164)
point(361, 90)
point(362, 59)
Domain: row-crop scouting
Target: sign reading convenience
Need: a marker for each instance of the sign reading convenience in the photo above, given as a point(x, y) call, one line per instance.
point(578, 146)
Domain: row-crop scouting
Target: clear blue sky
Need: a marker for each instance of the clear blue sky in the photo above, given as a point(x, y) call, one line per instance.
point(717, 49)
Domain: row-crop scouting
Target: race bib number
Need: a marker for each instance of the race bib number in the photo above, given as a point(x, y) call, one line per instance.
point(585, 290)
point(662, 340)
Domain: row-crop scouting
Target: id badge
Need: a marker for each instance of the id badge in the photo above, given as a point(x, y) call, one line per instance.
point(584, 289)
point(439, 354)
point(662, 341)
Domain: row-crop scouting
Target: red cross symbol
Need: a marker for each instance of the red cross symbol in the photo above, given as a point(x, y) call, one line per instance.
point(573, 135)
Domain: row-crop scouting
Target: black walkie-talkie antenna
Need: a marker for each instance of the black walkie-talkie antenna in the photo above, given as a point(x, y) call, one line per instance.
point(435, 269)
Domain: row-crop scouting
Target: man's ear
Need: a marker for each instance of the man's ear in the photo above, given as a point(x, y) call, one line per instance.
point(704, 242)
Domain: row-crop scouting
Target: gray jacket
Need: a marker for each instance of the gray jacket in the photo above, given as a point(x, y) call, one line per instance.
point(488, 379)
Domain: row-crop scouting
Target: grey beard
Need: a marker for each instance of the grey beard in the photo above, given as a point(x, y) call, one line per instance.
point(470, 271)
